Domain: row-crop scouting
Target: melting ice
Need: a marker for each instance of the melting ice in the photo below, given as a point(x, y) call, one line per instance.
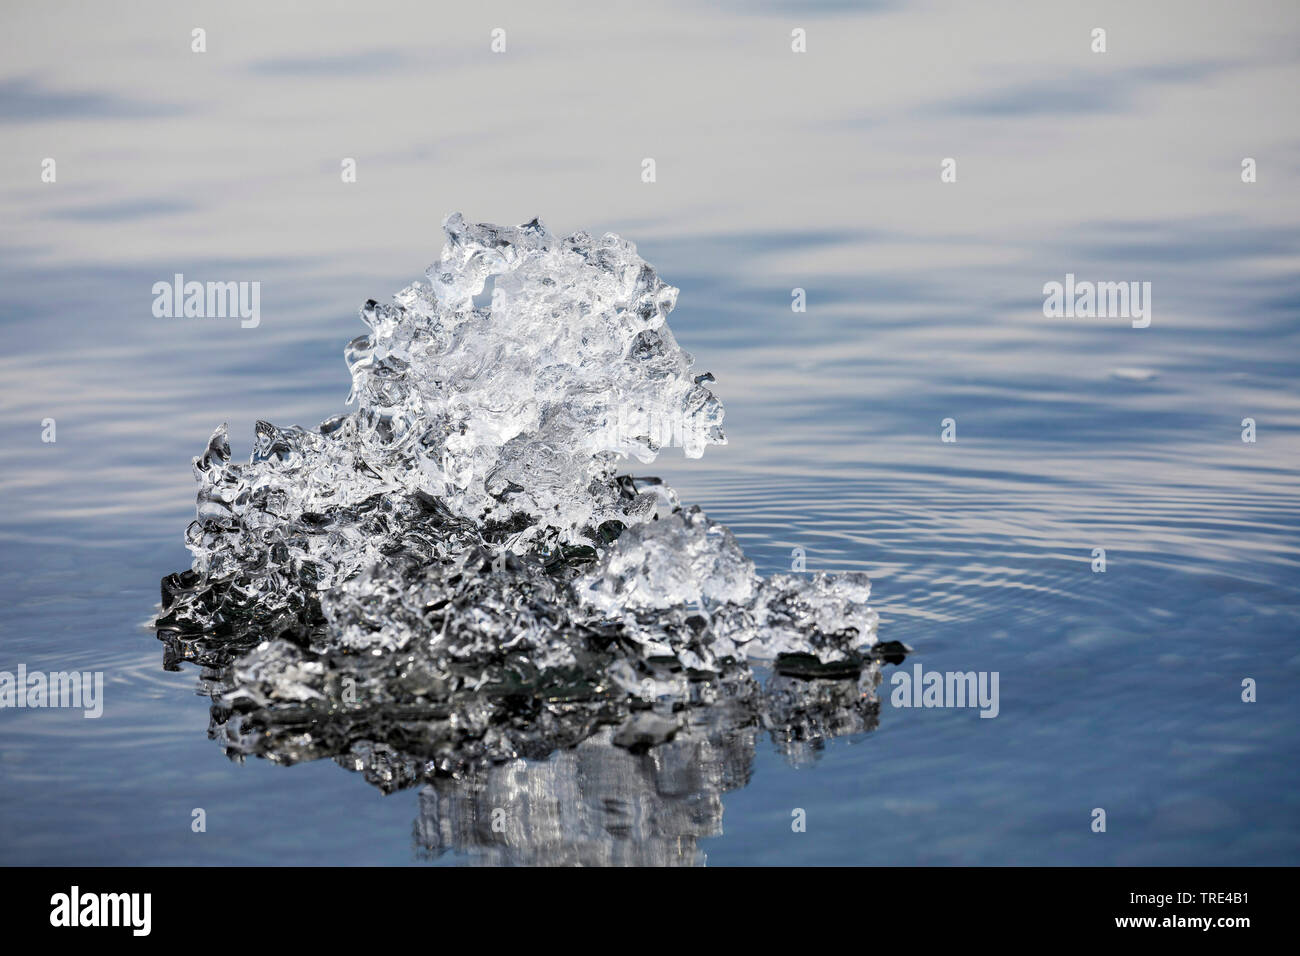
point(458, 573)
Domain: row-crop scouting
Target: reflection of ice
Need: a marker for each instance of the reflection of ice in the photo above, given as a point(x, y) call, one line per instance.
point(594, 804)
point(526, 782)
point(602, 804)
point(455, 578)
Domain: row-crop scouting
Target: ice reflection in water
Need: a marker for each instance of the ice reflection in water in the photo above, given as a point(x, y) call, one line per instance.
point(600, 804)
point(594, 782)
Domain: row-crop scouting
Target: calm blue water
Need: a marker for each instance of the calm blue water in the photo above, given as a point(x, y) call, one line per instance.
point(1119, 690)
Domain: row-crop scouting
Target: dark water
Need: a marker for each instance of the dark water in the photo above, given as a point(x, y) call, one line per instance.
point(1119, 690)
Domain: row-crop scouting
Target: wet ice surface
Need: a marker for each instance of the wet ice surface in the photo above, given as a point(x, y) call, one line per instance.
point(456, 574)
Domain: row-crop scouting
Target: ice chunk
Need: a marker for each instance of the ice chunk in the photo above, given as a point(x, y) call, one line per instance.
point(683, 560)
point(462, 541)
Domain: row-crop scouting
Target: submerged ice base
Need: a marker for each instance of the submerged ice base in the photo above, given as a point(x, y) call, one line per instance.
point(464, 540)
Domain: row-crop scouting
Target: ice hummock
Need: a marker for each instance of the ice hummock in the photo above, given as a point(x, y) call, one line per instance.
point(464, 537)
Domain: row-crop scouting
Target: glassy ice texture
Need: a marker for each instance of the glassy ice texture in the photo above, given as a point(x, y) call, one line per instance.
point(457, 566)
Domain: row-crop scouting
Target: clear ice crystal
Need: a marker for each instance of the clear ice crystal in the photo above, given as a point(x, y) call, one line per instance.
point(463, 539)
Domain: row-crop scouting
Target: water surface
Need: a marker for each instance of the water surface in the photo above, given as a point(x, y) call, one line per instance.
point(1119, 690)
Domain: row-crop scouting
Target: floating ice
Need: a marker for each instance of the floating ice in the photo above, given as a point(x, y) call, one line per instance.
point(457, 564)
